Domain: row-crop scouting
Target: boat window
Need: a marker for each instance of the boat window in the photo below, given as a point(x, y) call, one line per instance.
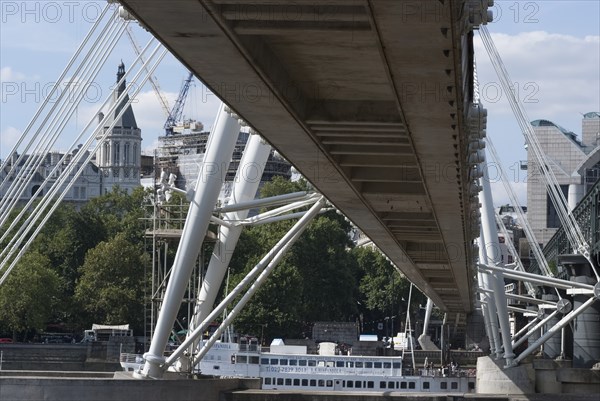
point(296, 382)
point(382, 385)
point(387, 365)
point(280, 381)
point(293, 362)
point(302, 362)
point(312, 362)
point(471, 386)
point(339, 364)
point(359, 364)
point(425, 385)
point(397, 365)
point(241, 359)
point(321, 363)
point(358, 384)
point(216, 367)
point(274, 361)
point(283, 362)
point(454, 385)
point(350, 383)
point(305, 382)
point(321, 383)
point(369, 365)
point(377, 365)
point(350, 364)
point(329, 364)
point(254, 360)
point(402, 384)
point(268, 380)
point(411, 385)
point(264, 361)
point(288, 382)
point(443, 385)
point(313, 382)
point(370, 384)
point(390, 384)
point(329, 383)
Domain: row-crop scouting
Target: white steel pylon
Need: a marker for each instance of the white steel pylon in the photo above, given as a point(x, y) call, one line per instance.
point(244, 189)
point(219, 151)
point(491, 248)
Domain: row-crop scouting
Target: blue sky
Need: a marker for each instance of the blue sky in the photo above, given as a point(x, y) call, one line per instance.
point(551, 50)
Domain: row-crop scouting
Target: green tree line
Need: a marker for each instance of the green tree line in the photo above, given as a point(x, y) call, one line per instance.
point(92, 265)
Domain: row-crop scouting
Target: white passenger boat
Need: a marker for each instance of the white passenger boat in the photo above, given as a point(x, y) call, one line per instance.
point(289, 367)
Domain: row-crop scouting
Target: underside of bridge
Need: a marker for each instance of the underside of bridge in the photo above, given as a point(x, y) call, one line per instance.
point(368, 99)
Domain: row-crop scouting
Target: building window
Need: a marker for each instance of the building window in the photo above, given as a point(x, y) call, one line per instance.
point(105, 153)
point(552, 219)
point(127, 153)
point(117, 153)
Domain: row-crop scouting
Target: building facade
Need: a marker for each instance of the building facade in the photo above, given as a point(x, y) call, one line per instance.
point(117, 161)
point(574, 162)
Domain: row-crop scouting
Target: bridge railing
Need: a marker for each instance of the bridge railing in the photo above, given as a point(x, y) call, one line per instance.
point(587, 215)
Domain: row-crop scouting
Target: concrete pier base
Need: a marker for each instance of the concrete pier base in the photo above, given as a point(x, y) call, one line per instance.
point(546, 380)
point(493, 378)
point(22, 388)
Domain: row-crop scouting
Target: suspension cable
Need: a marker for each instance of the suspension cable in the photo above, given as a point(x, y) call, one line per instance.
point(570, 225)
point(60, 183)
point(61, 118)
point(53, 91)
point(539, 256)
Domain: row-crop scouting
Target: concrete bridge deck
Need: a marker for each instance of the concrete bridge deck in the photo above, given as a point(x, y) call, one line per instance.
point(368, 99)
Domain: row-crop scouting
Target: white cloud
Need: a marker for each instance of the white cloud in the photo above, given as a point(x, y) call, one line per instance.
point(556, 75)
point(501, 197)
point(7, 74)
point(8, 138)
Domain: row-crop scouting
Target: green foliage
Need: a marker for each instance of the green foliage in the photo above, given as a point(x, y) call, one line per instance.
point(112, 283)
point(28, 295)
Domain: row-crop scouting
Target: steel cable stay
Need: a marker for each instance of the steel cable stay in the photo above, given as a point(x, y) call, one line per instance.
point(557, 197)
point(531, 139)
point(524, 222)
point(51, 94)
point(58, 185)
point(511, 249)
point(55, 171)
point(56, 126)
point(570, 225)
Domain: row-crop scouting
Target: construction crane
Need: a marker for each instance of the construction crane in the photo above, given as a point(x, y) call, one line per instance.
point(153, 81)
point(176, 112)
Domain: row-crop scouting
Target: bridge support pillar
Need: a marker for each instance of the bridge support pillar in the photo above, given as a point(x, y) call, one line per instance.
point(244, 189)
point(210, 180)
point(586, 343)
point(492, 249)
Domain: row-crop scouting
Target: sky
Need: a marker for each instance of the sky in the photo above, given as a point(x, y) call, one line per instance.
point(551, 49)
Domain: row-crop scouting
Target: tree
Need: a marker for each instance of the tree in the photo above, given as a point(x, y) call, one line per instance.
point(314, 281)
point(383, 290)
point(28, 295)
point(112, 283)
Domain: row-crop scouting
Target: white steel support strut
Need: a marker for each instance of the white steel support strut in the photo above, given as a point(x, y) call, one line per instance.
point(244, 189)
point(268, 261)
point(488, 226)
point(554, 329)
point(210, 180)
point(488, 304)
